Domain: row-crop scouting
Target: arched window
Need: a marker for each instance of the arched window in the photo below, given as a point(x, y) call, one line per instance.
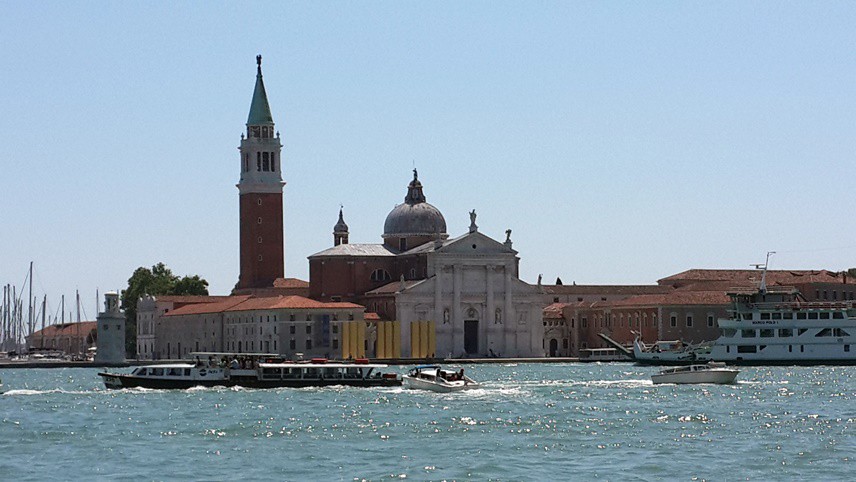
point(381, 275)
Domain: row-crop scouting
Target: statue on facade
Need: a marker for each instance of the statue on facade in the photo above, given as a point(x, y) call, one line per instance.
point(507, 235)
point(473, 226)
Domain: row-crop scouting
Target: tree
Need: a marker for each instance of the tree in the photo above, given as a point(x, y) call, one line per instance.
point(156, 281)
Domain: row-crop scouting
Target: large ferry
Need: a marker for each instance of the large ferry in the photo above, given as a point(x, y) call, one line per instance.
point(777, 326)
point(771, 326)
point(252, 370)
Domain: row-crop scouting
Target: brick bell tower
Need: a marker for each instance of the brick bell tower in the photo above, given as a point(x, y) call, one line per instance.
point(260, 192)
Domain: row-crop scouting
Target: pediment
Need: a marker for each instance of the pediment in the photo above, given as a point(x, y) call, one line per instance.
point(475, 243)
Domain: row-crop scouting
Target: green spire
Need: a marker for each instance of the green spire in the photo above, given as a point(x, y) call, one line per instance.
point(259, 108)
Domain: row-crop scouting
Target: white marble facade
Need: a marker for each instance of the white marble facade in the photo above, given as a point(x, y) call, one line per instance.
point(479, 305)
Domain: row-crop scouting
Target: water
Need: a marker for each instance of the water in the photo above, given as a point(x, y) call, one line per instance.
point(528, 422)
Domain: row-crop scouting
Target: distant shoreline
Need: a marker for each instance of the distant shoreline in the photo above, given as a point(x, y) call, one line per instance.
point(5, 364)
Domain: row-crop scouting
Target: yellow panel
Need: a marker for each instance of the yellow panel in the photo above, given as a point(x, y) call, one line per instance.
point(381, 340)
point(396, 339)
point(346, 340)
point(423, 339)
point(360, 339)
point(415, 333)
point(432, 339)
point(387, 345)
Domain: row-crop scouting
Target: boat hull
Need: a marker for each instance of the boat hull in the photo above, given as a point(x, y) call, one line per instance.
point(419, 384)
point(722, 376)
point(120, 381)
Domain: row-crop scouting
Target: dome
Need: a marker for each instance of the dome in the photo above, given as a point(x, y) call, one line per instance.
point(414, 217)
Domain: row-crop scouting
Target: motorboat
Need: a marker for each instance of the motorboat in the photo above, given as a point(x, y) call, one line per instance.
point(436, 379)
point(253, 370)
point(712, 372)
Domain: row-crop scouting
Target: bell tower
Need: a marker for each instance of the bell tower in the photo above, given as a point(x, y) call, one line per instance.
point(260, 193)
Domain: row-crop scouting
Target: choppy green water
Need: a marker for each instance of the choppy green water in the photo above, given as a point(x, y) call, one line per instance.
point(529, 422)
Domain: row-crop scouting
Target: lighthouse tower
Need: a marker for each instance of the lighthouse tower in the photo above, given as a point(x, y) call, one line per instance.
point(260, 192)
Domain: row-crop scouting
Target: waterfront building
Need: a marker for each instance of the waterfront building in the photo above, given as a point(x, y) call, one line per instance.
point(70, 338)
point(465, 291)
point(683, 306)
point(293, 326)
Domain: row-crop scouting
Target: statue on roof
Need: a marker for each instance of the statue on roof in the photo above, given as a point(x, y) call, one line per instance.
point(473, 226)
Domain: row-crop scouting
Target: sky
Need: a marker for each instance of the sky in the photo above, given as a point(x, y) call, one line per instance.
point(622, 142)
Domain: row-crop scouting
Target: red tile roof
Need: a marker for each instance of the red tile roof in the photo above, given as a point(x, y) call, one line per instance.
point(217, 306)
point(554, 311)
point(675, 298)
point(750, 275)
point(371, 316)
point(290, 283)
point(249, 303)
point(604, 289)
point(68, 329)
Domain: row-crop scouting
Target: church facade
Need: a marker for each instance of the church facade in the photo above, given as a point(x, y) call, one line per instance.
point(467, 288)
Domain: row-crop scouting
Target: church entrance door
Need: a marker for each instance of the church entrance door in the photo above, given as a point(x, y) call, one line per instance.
point(554, 346)
point(471, 336)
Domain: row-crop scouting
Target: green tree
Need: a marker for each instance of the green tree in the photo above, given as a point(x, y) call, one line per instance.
point(156, 281)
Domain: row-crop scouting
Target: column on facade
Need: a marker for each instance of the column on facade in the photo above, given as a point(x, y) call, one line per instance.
point(489, 317)
point(508, 316)
point(457, 319)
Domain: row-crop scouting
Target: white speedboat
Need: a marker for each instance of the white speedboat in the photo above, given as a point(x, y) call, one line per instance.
point(434, 378)
point(709, 373)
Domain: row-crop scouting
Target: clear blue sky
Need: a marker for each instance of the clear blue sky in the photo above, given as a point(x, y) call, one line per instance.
point(621, 141)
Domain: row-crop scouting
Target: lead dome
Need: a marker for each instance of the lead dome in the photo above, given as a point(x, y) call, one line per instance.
point(415, 221)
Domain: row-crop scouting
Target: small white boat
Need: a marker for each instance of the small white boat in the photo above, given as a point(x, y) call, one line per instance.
point(710, 373)
point(434, 378)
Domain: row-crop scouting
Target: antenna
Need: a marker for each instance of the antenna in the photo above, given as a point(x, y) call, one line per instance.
point(763, 287)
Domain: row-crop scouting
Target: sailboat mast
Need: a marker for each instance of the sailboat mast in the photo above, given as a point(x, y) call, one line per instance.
point(30, 301)
point(77, 326)
point(44, 313)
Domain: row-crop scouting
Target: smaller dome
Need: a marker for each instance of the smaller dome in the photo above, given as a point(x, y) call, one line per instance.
point(340, 226)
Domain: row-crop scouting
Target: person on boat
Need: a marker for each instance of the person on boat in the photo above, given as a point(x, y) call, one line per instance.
point(198, 362)
point(235, 365)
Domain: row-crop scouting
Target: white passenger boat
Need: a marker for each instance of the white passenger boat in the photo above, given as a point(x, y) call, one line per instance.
point(252, 370)
point(434, 378)
point(709, 373)
point(670, 352)
point(776, 325)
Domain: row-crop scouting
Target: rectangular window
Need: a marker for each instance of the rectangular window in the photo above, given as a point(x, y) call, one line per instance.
point(673, 321)
point(824, 315)
point(308, 344)
point(292, 329)
point(689, 320)
point(747, 333)
point(710, 320)
point(812, 316)
point(308, 329)
point(786, 332)
point(747, 349)
point(335, 343)
point(292, 344)
point(767, 333)
point(788, 316)
point(801, 315)
point(765, 316)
